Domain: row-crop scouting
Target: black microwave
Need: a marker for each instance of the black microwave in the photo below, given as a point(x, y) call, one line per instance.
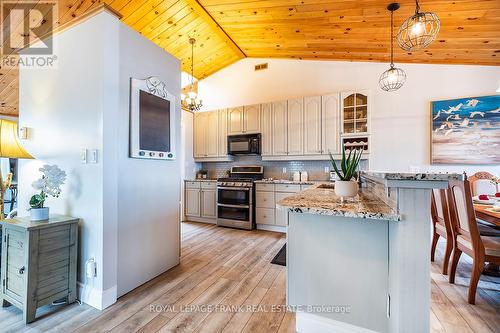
point(247, 144)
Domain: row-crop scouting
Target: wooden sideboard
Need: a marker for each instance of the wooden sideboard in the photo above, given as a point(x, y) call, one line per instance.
point(39, 261)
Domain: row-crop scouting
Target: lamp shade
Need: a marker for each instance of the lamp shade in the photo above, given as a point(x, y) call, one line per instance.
point(10, 146)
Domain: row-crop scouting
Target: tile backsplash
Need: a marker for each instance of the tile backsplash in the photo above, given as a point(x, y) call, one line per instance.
point(274, 169)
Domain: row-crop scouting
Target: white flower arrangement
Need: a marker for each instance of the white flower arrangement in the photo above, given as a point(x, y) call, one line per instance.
point(50, 184)
point(495, 180)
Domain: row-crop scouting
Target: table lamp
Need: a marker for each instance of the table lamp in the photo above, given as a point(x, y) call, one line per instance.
point(10, 147)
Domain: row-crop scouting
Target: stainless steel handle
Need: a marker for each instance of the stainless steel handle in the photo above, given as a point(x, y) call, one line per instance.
point(234, 188)
point(21, 270)
point(233, 206)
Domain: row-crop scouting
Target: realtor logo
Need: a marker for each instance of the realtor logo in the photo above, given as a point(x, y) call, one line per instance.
point(24, 24)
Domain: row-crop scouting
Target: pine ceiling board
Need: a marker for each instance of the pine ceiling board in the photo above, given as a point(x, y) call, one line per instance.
point(153, 16)
point(277, 28)
point(170, 31)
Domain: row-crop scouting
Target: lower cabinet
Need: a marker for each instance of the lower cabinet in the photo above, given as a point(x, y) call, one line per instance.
point(266, 198)
point(200, 201)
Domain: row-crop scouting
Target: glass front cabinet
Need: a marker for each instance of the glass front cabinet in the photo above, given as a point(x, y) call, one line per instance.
point(354, 113)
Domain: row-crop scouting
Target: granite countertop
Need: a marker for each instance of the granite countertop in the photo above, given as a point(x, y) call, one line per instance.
point(324, 201)
point(286, 181)
point(422, 176)
point(201, 180)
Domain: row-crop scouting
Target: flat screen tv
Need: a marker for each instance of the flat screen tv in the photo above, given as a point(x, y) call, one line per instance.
point(152, 119)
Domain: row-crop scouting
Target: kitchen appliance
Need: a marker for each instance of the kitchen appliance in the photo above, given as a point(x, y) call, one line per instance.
point(236, 196)
point(202, 174)
point(246, 144)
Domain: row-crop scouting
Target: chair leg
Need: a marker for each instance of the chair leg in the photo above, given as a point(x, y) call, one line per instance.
point(477, 269)
point(435, 239)
point(454, 262)
point(447, 254)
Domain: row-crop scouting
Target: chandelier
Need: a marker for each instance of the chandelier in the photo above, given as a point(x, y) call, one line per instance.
point(191, 101)
point(393, 78)
point(419, 30)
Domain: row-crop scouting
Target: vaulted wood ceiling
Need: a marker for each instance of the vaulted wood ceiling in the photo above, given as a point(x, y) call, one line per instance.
point(228, 30)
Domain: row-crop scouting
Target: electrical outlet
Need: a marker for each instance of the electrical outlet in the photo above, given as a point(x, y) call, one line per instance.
point(93, 156)
point(284, 170)
point(327, 169)
point(91, 268)
point(83, 156)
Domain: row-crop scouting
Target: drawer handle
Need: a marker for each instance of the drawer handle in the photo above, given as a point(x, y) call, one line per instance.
point(21, 270)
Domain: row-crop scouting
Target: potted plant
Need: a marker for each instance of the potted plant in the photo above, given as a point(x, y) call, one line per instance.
point(347, 185)
point(49, 184)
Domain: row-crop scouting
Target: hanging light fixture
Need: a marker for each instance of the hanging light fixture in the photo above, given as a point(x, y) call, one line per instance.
point(191, 100)
point(393, 78)
point(419, 30)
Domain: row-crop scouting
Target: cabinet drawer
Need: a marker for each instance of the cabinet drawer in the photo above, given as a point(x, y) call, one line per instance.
point(265, 187)
point(193, 184)
point(209, 185)
point(287, 188)
point(264, 216)
point(304, 186)
point(265, 200)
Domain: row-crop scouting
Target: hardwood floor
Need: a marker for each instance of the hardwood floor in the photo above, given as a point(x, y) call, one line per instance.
point(231, 268)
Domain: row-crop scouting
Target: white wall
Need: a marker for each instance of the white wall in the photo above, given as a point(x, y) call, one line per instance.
point(129, 208)
point(400, 120)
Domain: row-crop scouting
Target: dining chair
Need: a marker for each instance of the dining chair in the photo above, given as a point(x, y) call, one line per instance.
point(480, 183)
point(441, 225)
point(466, 237)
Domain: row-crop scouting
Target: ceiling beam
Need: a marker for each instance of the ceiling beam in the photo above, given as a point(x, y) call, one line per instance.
point(203, 13)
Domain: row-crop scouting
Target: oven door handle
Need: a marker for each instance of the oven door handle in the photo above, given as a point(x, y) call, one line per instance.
point(234, 188)
point(233, 206)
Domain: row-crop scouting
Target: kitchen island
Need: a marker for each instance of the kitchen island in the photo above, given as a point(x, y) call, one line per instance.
point(362, 264)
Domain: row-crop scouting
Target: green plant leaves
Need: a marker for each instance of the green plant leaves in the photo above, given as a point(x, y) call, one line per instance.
point(348, 164)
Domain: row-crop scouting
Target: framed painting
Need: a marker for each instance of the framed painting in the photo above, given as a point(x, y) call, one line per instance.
point(466, 131)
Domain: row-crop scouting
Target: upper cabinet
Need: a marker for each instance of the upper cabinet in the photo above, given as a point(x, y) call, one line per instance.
point(312, 125)
point(330, 124)
point(279, 132)
point(210, 135)
point(295, 126)
point(354, 113)
point(223, 132)
point(235, 120)
point(266, 126)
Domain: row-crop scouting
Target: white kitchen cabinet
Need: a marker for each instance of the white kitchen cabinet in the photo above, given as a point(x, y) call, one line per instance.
point(193, 202)
point(222, 151)
point(295, 127)
point(267, 129)
point(200, 129)
point(208, 203)
point(330, 124)
point(212, 134)
point(279, 123)
point(235, 121)
point(312, 125)
point(354, 112)
point(281, 215)
point(251, 119)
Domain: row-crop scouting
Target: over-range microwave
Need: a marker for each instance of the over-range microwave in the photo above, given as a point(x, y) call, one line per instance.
point(246, 144)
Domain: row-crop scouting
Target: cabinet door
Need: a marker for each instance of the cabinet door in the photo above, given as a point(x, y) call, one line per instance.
point(267, 129)
point(312, 125)
point(251, 119)
point(208, 204)
point(199, 149)
point(192, 202)
point(222, 151)
point(279, 135)
point(235, 121)
point(331, 124)
point(295, 127)
point(281, 215)
point(13, 259)
point(212, 133)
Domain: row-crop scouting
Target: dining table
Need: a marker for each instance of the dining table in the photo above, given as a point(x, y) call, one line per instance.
point(485, 213)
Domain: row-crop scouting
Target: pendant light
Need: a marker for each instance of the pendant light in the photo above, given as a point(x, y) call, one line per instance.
point(393, 78)
point(419, 30)
point(191, 101)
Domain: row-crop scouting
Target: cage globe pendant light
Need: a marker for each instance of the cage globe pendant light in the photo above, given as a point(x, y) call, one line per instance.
point(393, 78)
point(191, 100)
point(419, 30)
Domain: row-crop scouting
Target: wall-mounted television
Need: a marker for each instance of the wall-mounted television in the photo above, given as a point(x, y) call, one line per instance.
point(152, 120)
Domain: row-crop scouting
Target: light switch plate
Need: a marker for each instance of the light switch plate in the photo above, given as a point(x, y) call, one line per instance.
point(94, 156)
point(83, 156)
point(284, 170)
point(327, 169)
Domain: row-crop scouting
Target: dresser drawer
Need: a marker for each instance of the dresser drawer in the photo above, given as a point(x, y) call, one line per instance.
point(193, 184)
point(265, 187)
point(209, 185)
point(264, 216)
point(293, 188)
point(265, 200)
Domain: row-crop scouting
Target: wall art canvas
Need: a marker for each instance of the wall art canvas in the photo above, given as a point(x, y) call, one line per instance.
point(466, 131)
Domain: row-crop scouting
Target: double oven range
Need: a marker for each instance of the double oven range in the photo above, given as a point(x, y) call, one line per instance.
point(236, 197)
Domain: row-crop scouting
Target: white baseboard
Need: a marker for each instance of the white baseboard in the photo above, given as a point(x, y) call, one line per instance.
point(267, 227)
point(99, 299)
point(311, 323)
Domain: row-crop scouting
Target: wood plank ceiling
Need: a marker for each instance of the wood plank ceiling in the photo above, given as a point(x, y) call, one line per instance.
point(228, 30)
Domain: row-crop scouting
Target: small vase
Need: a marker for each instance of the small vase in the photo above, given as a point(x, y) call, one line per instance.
point(39, 214)
point(345, 188)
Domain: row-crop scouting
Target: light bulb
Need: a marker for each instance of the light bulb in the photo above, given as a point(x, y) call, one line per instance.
point(392, 77)
point(192, 94)
point(417, 29)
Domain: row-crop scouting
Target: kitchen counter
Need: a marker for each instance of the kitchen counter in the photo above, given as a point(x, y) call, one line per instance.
point(322, 200)
point(412, 176)
point(200, 180)
point(286, 181)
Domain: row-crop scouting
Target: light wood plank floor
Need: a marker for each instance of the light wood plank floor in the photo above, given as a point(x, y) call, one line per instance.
point(228, 268)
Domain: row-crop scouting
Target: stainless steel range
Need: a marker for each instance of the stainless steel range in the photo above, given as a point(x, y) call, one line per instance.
point(236, 196)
